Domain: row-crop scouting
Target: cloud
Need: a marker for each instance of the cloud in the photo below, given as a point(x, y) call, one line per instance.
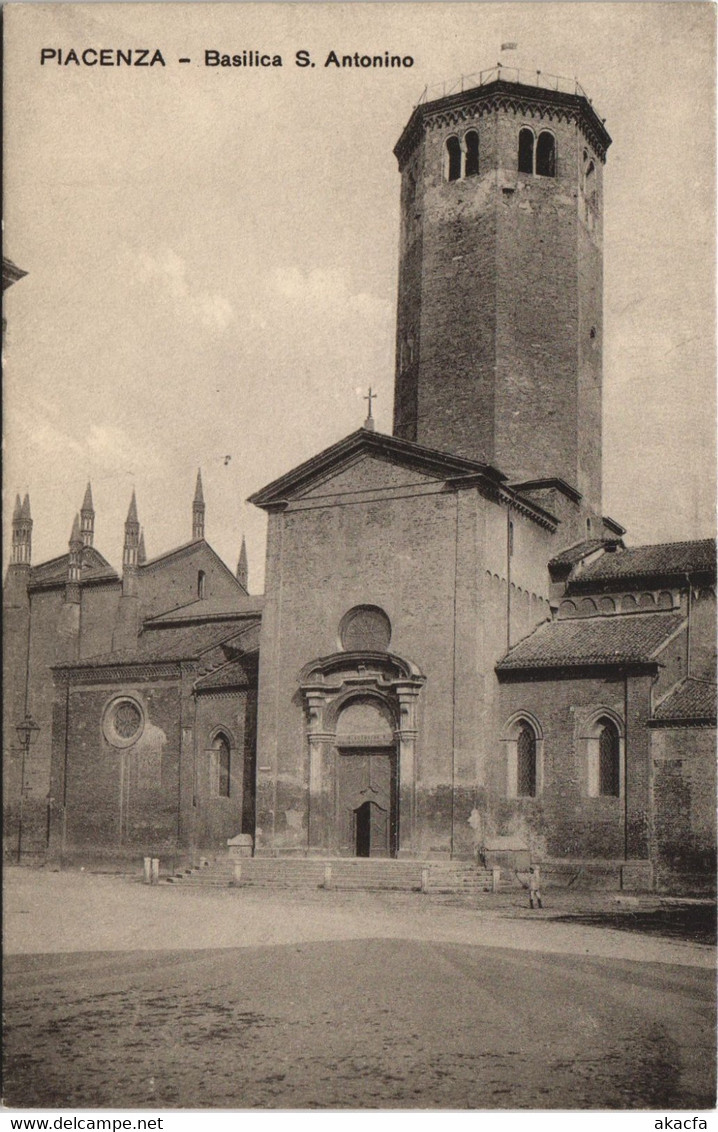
point(325, 291)
point(210, 309)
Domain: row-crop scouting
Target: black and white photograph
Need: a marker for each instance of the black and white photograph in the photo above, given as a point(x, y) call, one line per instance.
point(359, 560)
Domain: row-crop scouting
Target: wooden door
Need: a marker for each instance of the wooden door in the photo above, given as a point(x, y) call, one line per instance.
point(366, 802)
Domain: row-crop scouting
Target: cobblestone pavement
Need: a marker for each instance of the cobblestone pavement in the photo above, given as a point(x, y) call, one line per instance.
point(120, 995)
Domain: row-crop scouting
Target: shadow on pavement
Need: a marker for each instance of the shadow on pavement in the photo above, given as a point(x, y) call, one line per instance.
point(695, 923)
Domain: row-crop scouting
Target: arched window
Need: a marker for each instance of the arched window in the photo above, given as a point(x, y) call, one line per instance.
point(604, 749)
point(471, 141)
point(546, 155)
point(526, 762)
point(201, 585)
point(526, 150)
point(453, 159)
point(222, 768)
point(609, 760)
point(524, 753)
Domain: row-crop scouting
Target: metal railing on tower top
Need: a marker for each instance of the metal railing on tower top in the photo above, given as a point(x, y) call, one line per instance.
point(507, 74)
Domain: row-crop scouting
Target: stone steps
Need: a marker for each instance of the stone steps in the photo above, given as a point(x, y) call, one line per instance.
point(339, 873)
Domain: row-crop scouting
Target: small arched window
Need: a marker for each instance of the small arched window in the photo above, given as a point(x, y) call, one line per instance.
point(453, 159)
point(526, 150)
point(526, 762)
point(471, 166)
point(546, 155)
point(609, 759)
point(201, 585)
point(604, 748)
point(222, 767)
point(524, 755)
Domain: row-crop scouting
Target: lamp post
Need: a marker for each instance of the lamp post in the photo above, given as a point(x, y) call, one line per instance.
point(26, 730)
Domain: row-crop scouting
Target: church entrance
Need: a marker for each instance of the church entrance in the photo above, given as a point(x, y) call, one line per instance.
point(366, 802)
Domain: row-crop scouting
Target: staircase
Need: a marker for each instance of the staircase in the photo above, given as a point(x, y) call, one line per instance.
point(338, 873)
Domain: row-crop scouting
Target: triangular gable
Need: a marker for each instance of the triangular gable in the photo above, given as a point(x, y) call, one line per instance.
point(367, 472)
point(414, 459)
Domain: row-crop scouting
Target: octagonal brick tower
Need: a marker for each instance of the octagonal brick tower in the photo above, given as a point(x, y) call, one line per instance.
point(499, 323)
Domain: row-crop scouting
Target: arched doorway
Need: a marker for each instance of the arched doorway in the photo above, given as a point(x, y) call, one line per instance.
point(366, 809)
point(361, 729)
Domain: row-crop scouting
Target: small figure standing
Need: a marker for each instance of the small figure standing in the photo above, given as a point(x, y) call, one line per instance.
point(535, 886)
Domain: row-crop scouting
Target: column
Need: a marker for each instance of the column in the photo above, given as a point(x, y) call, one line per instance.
point(406, 737)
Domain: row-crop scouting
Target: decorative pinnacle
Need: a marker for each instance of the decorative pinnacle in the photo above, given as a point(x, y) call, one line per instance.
point(75, 535)
point(141, 552)
point(198, 496)
point(17, 510)
point(25, 509)
point(242, 565)
point(132, 513)
point(87, 504)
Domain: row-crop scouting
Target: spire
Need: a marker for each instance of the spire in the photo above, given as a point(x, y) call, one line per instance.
point(132, 512)
point(75, 533)
point(141, 552)
point(21, 533)
point(132, 538)
point(198, 496)
point(74, 563)
point(87, 519)
point(242, 566)
point(198, 509)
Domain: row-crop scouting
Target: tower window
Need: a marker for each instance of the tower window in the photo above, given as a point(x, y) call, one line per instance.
point(526, 151)
point(546, 155)
point(201, 585)
point(453, 159)
point(526, 762)
point(471, 141)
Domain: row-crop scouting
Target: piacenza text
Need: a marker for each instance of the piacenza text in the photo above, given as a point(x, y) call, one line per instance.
point(212, 57)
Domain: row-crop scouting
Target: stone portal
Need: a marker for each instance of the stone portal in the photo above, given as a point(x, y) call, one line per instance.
point(361, 735)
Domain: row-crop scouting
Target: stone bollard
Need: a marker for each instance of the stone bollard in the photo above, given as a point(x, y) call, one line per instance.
point(155, 871)
point(495, 879)
point(237, 878)
point(327, 876)
point(424, 880)
point(148, 870)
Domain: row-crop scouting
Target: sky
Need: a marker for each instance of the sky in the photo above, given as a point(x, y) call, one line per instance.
point(212, 252)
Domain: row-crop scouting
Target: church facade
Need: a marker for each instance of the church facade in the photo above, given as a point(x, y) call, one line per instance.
point(456, 655)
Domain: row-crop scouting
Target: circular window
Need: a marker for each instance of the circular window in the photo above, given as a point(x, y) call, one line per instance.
point(124, 722)
point(366, 628)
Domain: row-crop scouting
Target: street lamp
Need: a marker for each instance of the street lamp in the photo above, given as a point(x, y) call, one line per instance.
point(26, 730)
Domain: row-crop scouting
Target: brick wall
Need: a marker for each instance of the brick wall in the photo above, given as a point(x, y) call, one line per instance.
point(504, 278)
point(684, 799)
point(563, 821)
point(118, 800)
point(218, 818)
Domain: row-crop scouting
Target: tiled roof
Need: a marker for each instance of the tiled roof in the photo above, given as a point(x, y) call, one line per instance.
point(692, 701)
point(576, 553)
point(54, 572)
point(157, 645)
point(238, 606)
point(229, 676)
point(633, 638)
point(668, 559)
